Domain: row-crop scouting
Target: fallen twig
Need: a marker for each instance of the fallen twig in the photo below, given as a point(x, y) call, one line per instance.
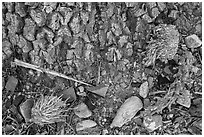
point(38, 68)
point(99, 73)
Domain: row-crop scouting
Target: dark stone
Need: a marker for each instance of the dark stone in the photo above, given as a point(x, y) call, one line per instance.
point(90, 104)
point(163, 80)
point(136, 84)
point(9, 103)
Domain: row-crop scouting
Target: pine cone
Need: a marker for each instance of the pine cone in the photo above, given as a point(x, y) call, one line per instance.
point(47, 110)
point(165, 44)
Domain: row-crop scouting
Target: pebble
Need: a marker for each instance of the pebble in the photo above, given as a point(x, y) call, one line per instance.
point(81, 89)
point(82, 111)
point(11, 83)
point(127, 111)
point(185, 99)
point(193, 41)
point(144, 89)
point(85, 124)
point(155, 12)
point(152, 122)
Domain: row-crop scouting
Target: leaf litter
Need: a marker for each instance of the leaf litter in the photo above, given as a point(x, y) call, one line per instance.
point(124, 68)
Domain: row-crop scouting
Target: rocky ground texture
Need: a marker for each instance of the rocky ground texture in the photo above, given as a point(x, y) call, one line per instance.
point(142, 63)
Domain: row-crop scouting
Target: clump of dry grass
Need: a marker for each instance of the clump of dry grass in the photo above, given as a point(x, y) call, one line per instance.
point(164, 45)
point(47, 110)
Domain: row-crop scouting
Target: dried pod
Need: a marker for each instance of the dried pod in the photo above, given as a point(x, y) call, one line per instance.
point(127, 111)
point(85, 124)
point(165, 44)
point(47, 110)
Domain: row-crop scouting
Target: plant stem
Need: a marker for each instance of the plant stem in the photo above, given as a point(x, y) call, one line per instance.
point(38, 68)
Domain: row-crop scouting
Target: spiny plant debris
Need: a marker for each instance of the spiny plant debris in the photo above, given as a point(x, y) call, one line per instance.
point(101, 68)
point(165, 46)
point(48, 109)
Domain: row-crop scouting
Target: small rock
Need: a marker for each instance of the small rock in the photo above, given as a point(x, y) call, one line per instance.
point(152, 122)
point(161, 5)
point(123, 40)
point(18, 100)
point(193, 41)
point(105, 132)
point(25, 109)
point(15, 114)
point(155, 12)
point(20, 8)
point(38, 17)
point(81, 89)
point(8, 128)
point(146, 102)
point(90, 102)
point(151, 82)
point(198, 29)
point(6, 49)
point(29, 29)
point(147, 18)
point(82, 111)
point(185, 98)
point(127, 111)
point(11, 83)
point(8, 103)
point(144, 89)
point(85, 124)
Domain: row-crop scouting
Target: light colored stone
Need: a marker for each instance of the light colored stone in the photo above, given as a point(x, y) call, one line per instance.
point(155, 12)
point(185, 98)
point(144, 89)
point(85, 124)
point(127, 111)
point(193, 41)
point(161, 5)
point(82, 111)
point(152, 122)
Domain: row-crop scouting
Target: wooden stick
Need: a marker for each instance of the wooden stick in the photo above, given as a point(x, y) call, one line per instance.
point(38, 68)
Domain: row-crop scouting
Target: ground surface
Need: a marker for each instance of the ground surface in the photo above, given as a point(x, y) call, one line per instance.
point(104, 45)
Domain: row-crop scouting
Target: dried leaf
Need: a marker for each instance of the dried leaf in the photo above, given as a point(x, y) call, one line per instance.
point(69, 94)
point(11, 83)
point(127, 111)
point(82, 111)
point(144, 89)
point(99, 90)
point(85, 124)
